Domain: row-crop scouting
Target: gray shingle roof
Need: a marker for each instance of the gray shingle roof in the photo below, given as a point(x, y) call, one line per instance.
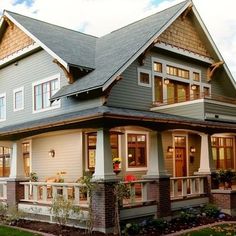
point(108, 54)
point(73, 47)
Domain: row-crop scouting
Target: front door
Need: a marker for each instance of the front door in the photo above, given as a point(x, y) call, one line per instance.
point(180, 162)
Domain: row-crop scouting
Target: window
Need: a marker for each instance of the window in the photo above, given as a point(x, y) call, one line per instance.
point(196, 76)
point(144, 77)
point(26, 157)
point(43, 91)
point(137, 150)
point(223, 153)
point(195, 91)
point(18, 98)
point(157, 67)
point(4, 162)
point(158, 89)
point(206, 91)
point(171, 70)
point(177, 92)
point(91, 147)
point(2, 107)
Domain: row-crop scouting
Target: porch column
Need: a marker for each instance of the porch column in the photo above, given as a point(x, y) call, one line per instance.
point(17, 167)
point(206, 158)
point(156, 166)
point(160, 187)
point(15, 191)
point(103, 164)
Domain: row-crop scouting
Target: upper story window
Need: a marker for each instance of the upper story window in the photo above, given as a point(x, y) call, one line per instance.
point(2, 107)
point(42, 91)
point(144, 77)
point(196, 76)
point(18, 99)
point(175, 71)
point(26, 157)
point(157, 67)
point(4, 162)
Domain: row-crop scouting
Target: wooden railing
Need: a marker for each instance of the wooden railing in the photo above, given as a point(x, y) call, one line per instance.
point(180, 99)
point(44, 192)
point(3, 190)
point(137, 193)
point(187, 187)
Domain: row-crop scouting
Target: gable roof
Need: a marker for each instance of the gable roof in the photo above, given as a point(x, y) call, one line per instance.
point(117, 50)
point(72, 47)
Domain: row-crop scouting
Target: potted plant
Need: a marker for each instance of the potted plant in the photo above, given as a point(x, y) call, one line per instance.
point(226, 177)
point(116, 163)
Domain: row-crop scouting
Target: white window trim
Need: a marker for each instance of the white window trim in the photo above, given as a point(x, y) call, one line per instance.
point(141, 70)
point(14, 98)
point(3, 95)
point(56, 76)
point(126, 150)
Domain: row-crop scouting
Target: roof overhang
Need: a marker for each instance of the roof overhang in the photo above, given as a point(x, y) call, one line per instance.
point(112, 117)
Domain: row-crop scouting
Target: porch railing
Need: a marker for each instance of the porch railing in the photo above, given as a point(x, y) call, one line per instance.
point(187, 187)
point(192, 97)
point(137, 193)
point(44, 192)
point(3, 190)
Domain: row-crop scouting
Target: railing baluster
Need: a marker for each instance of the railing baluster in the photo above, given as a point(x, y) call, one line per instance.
point(44, 193)
point(144, 192)
point(77, 195)
point(65, 192)
point(184, 187)
point(26, 192)
point(35, 193)
point(201, 185)
point(192, 186)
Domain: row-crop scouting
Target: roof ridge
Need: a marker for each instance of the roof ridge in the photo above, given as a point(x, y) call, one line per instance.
point(76, 31)
point(146, 17)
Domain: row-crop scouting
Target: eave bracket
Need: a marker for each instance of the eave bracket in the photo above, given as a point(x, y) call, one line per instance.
point(211, 69)
point(68, 75)
point(185, 13)
point(11, 25)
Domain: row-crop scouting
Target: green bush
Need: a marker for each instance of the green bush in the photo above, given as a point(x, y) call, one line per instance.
point(211, 210)
point(158, 224)
point(188, 215)
point(132, 229)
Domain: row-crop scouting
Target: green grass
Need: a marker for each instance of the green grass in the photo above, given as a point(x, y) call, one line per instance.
point(7, 231)
point(218, 230)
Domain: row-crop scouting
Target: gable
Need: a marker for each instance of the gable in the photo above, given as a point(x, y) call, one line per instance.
point(13, 39)
point(183, 34)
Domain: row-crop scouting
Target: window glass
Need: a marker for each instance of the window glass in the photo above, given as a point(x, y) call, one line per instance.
point(175, 71)
point(177, 92)
point(4, 162)
point(18, 100)
point(196, 76)
point(158, 89)
point(2, 108)
point(157, 66)
point(137, 150)
point(206, 91)
point(26, 157)
point(144, 78)
point(43, 92)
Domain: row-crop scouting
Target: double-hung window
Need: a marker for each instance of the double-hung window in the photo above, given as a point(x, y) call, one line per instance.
point(43, 91)
point(2, 107)
point(18, 98)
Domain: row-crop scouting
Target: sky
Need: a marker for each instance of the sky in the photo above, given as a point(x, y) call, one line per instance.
point(99, 17)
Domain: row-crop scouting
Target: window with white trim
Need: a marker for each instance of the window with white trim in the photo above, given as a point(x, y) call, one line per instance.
point(2, 107)
point(42, 92)
point(144, 77)
point(18, 99)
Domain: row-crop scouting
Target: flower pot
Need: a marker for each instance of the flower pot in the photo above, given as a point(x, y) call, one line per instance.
point(116, 166)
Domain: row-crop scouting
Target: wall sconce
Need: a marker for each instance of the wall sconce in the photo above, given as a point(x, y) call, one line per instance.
point(194, 87)
point(166, 81)
point(51, 153)
point(170, 149)
point(192, 149)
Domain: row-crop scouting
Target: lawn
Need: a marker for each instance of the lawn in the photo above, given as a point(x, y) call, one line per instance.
point(218, 230)
point(7, 231)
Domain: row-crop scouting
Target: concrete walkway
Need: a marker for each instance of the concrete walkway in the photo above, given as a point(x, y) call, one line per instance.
point(200, 227)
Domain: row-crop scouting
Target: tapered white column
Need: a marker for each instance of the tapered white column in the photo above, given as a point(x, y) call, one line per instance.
point(156, 165)
point(206, 158)
point(17, 167)
point(103, 165)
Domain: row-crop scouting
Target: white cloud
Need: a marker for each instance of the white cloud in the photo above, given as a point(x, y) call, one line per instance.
point(99, 17)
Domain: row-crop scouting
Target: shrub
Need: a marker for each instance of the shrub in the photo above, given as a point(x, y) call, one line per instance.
point(188, 215)
point(211, 210)
point(132, 229)
point(158, 224)
point(13, 215)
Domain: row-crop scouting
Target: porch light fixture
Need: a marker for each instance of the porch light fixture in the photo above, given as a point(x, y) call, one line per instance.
point(193, 86)
point(166, 81)
point(170, 149)
point(51, 153)
point(192, 149)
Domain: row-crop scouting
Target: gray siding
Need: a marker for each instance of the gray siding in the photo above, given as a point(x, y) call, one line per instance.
point(31, 69)
point(195, 110)
point(127, 93)
point(219, 109)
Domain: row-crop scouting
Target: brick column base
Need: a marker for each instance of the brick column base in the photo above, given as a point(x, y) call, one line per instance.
point(103, 206)
point(163, 197)
point(15, 192)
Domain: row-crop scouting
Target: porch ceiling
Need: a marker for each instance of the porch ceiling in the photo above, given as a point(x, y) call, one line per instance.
point(112, 117)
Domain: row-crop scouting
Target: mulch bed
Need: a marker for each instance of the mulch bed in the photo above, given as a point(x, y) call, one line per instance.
point(173, 226)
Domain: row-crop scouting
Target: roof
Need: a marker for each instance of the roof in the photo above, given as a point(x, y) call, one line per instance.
point(71, 120)
point(73, 47)
point(115, 50)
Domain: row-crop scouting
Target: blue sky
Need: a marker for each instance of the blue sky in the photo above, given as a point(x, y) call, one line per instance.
point(98, 17)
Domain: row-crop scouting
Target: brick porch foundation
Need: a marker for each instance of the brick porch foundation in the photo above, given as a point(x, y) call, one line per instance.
point(15, 192)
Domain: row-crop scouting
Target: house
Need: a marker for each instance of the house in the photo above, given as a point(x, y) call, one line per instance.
point(156, 93)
